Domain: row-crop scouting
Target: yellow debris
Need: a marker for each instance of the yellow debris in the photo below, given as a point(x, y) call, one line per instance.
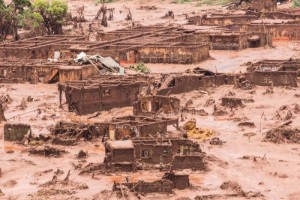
point(197, 133)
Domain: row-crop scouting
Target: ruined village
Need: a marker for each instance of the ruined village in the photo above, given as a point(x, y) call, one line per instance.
point(180, 100)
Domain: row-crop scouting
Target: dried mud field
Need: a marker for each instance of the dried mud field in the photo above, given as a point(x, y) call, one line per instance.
point(248, 164)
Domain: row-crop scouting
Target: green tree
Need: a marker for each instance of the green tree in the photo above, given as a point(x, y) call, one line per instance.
point(9, 17)
point(51, 14)
point(296, 3)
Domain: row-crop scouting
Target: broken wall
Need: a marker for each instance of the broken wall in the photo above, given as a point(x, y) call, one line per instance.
point(173, 54)
point(278, 31)
point(16, 132)
point(276, 78)
point(151, 105)
point(195, 162)
point(88, 100)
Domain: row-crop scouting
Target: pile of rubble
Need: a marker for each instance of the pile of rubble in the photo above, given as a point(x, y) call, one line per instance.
point(283, 135)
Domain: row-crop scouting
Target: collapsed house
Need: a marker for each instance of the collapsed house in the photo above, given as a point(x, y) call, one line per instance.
point(292, 65)
point(139, 127)
point(103, 93)
point(180, 83)
point(117, 129)
point(153, 44)
point(168, 153)
point(268, 25)
point(154, 105)
point(34, 71)
point(280, 29)
point(166, 184)
point(274, 73)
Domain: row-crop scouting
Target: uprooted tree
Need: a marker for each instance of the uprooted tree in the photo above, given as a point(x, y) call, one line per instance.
point(50, 15)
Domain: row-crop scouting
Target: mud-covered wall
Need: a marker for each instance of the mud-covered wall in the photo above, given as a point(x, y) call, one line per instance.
point(181, 84)
point(92, 99)
point(122, 155)
point(273, 78)
point(195, 162)
point(29, 73)
point(278, 31)
point(157, 153)
point(148, 106)
point(174, 54)
point(227, 20)
point(160, 186)
point(225, 42)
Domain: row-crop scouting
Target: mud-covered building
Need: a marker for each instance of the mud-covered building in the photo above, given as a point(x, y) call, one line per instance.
point(139, 127)
point(103, 93)
point(118, 128)
point(34, 71)
point(154, 105)
point(274, 72)
point(168, 153)
point(153, 44)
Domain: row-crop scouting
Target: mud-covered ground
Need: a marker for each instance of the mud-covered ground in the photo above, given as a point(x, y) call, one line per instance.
point(263, 170)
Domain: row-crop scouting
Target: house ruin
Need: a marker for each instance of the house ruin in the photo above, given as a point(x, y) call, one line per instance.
point(103, 93)
point(274, 73)
point(153, 44)
point(154, 105)
point(34, 71)
point(166, 184)
point(119, 128)
point(168, 153)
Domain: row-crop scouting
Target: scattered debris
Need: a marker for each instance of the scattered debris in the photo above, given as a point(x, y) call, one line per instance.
point(209, 102)
point(232, 102)
point(169, 14)
point(216, 141)
point(47, 151)
point(81, 155)
point(283, 135)
point(247, 124)
point(218, 111)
